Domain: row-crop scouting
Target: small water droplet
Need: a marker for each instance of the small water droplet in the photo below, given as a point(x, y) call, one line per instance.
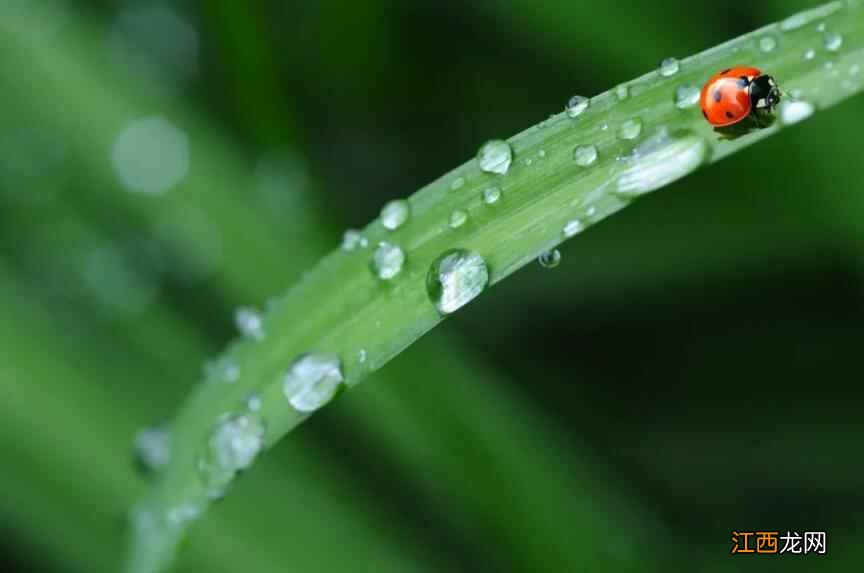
point(795, 94)
point(458, 218)
point(312, 381)
point(591, 211)
point(669, 67)
point(224, 369)
point(249, 322)
point(550, 259)
point(152, 449)
point(457, 184)
point(622, 92)
point(233, 445)
point(353, 240)
point(387, 261)
point(585, 155)
point(528, 162)
point(604, 127)
point(821, 27)
point(495, 156)
point(456, 278)
point(660, 161)
point(686, 96)
point(577, 105)
point(767, 44)
point(630, 129)
point(854, 70)
point(794, 22)
point(361, 356)
point(572, 228)
point(395, 213)
point(792, 112)
point(833, 42)
point(810, 54)
point(541, 154)
point(182, 514)
point(253, 402)
point(491, 195)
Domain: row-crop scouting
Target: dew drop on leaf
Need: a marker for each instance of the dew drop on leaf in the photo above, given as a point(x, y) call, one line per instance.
point(312, 381)
point(456, 278)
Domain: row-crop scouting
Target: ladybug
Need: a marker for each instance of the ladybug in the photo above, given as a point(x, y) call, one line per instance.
point(734, 94)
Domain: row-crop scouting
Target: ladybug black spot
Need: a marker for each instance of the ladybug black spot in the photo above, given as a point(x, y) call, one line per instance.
point(730, 115)
point(717, 95)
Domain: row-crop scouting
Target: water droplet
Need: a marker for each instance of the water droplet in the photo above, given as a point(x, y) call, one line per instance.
point(253, 402)
point(395, 213)
point(622, 92)
point(152, 449)
point(669, 67)
point(151, 155)
point(795, 94)
point(550, 259)
point(361, 356)
point(233, 445)
point(353, 240)
point(604, 127)
point(686, 96)
point(792, 112)
point(833, 42)
point(821, 27)
point(183, 514)
point(528, 162)
point(312, 381)
point(387, 261)
point(224, 369)
point(491, 195)
point(767, 44)
point(541, 154)
point(810, 54)
point(577, 105)
point(249, 322)
point(457, 184)
point(585, 155)
point(572, 228)
point(458, 218)
point(456, 278)
point(591, 211)
point(495, 156)
point(630, 129)
point(794, 22)
point(854, 70)
point(660, 161)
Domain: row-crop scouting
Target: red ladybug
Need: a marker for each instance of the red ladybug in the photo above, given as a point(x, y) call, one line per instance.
point(733, 94)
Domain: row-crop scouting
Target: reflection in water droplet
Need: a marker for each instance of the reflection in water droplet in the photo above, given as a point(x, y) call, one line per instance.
point(661, 161)
point(572, 228)
point(792, 112)
point(630, 129)
point(577, 105)
point(395, 213)
point(458, 218)
point(152, 449)
point(491, 195)
point(833, 42)
point(353, 240)
point(686, 96)
point(585, 155)
point(387, 261)
point(767, 44)
point(495, 156)
point(669, 67)
point(249, 322)
point(151, 155)
point(456, 278)
point(233, 445)
point(550, 259)
point(312, 381)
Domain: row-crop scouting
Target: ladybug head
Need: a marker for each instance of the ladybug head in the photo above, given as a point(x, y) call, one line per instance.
point(764, 93)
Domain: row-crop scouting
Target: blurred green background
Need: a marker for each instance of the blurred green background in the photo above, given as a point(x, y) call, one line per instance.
point(691, 368)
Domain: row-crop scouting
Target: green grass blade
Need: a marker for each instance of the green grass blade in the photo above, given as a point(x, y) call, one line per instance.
point(340, 308)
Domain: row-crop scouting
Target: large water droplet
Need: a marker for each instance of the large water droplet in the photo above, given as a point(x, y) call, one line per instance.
point(456, 278)
point(353, 240)
point(767, 44)
point(585, 155)
point(573, 228)
point(686, 96)
point(233, 445)
point(152, 449)
point(458, 218)
point(249, 322)
point(395, 213)
point(491, 195)
point(577, 105)
point(669, 67)
point(495, 156)
point(630, 129)
point(833, 42)
point(661, 161)
point(312, 381)
point(387, 261)
point(550, 259)
point(792, 112)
